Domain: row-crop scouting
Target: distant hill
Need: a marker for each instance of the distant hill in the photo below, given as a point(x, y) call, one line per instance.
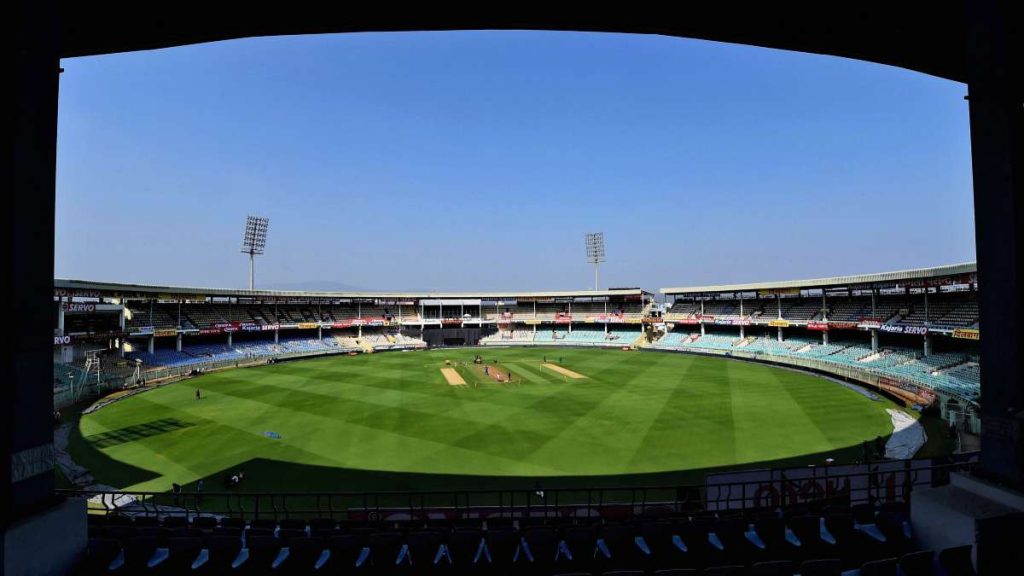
point(329, 286)
point(315, 285)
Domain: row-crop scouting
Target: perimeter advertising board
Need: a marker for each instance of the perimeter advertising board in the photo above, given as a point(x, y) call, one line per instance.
point(967, 333)
point(882, 482)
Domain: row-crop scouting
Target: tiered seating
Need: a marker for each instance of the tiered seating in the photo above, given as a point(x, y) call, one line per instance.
point(969, 372)
point(163, 316)
point(507, 337)
point(796, 310)
point(963, 315)
point(672, 340)
point(714, 342)
point(684, 309)
point(544, 335)
point(721, 307)
point(887, 307)
point(808, 541)
point(203, 314)
point(595, 337)
point(852, 309)
point(948, 372)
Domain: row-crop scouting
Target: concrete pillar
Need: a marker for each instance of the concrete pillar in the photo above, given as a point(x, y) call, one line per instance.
point(927, 345)
point(996, 88)
point(177, 343)
point(874, 340)
point(360, 329)
point(277, 335)
point(230, 334)
point(60, 318)
point(151, 344)
point(742, 333)
point(320, 333)
point(780, 333)
point(702, 329)
point(824, 337)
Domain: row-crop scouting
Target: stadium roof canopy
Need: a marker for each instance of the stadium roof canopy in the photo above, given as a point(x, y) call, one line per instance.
point(122, 290)
point(836, 281)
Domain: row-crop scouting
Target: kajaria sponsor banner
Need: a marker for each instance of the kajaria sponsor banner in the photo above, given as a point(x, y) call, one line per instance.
point(165, 332)
point(307, 325)
point(967, 333)
point(898, 329)
point(779, 323)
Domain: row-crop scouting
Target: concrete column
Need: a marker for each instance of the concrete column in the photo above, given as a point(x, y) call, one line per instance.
point(177, 343)
point(60, 317)
point(320, 333)
point(780, 333)
point(151, 344)
point(702, 329)
point(927, 345)
point(742, 332)
point(230, 334)
point(874, 340)
point(277, 336)
point(120, 347)
point(824, 337)
point(996, 88)
point(360, 329)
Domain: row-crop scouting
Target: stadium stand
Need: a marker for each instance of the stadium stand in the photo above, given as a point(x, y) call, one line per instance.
point(952, 373)
point(863, 538)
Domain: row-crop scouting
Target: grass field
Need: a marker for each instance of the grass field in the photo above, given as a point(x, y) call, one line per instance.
point(392, 422)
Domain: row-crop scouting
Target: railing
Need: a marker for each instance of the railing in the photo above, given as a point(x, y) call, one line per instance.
point(775, 489)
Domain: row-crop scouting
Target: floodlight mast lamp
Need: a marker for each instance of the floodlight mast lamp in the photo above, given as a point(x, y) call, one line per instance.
point(595, 252)
point(254, 241)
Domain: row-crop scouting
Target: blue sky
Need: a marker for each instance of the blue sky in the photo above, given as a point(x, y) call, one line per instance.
point(478, 160)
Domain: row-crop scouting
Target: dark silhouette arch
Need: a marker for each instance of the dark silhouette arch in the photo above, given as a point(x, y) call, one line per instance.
point(971, 41)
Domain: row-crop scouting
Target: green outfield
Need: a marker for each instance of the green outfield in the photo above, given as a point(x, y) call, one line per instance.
point(392, 421)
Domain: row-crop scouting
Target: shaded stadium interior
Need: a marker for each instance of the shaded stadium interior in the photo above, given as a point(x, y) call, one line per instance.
point(977, 43)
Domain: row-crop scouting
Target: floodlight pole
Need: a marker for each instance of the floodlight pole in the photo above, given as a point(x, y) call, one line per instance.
point(253, 243)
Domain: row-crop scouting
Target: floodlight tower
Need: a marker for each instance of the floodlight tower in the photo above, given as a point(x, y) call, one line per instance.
point(254, 241)
point(595, 251)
